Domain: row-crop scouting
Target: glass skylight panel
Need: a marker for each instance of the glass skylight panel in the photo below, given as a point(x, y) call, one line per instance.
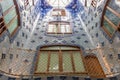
point(58, 3)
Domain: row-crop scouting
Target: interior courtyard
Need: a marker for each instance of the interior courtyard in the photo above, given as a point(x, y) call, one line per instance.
point(59, 39)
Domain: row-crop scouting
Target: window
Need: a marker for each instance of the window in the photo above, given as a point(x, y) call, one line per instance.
point(118, 56)
point(108, 28)
point(94, 3)
point(37, 79)
point(113, 78)
point(111, 19)
point(75, 78)
point(3, 56)
point(18, 44)
point(11, 56)
point(50, 78)
point(2, 25)
point(119, 27)
point(10, 78)
point(87, 79)
point(26, 2)
point(60, 59)
point(58, 12)
point(16, 55)
point(59, 27)
point(10, 18)
point(99, 79)
point(25, 79)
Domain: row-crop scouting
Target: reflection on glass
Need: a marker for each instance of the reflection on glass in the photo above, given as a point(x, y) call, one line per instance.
point(54, 62)
point(42, 62)
point(79, 67)
point(112, 17)
point(59, 28)
point(108, 27)
point(67, 64)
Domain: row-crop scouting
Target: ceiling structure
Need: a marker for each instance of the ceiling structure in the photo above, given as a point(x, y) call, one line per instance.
point(59, 3)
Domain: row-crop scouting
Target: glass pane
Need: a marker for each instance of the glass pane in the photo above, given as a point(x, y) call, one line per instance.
point(58, 48)
point(62, 28)
point(112, 17)
point(50, 28)
point(6, 4)
point(67, 65)
point(51, 48)
point(56, 13)
point(55, 28)
point(79, 66)
point(68, 48)
point(59, 3)
point(42, 62)
point(109, 28)
point(115, 5)
point(68, 28)
point(54, 62)
point(13, 26)
point(10, 16)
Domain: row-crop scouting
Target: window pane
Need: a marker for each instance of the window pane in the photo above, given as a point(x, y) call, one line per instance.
point(112, 17)
point(68, 28)
point(79, 66)
point(62, 28)
point(54, 62)
point(42, 62)
point(60, 3)
point(67, 64)
point(55, 28)
point(10, 16)
point(50, 28)
point(3, 56)
point(108, 27)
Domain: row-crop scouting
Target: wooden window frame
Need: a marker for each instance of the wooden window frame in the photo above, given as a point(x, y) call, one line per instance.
point(116, 28)
point(14, 6)
point(63, 13)
point(26, 3)
point(59, 28)
point(61, 72)
point(94, 3)
point(2, 27)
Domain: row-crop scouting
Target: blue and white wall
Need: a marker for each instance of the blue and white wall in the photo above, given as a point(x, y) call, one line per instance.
point(87, 34)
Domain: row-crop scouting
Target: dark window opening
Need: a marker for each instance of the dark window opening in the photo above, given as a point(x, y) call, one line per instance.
point(2, 25)
point(118, 56)
point(11, 56)
point(3, 56)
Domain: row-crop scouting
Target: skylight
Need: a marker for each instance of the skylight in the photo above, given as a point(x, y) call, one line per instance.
point(59, 3)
